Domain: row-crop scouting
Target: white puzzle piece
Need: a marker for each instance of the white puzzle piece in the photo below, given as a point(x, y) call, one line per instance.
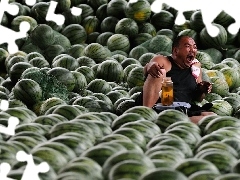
point(59, 18)
point(31, 170)
point(210, 10)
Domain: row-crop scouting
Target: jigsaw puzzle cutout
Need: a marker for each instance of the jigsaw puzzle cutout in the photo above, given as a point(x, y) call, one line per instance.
point(31, 170)
point(9, 36)
point(59, 18)
point(4, 170)
point(12, 121)
point(209, 9)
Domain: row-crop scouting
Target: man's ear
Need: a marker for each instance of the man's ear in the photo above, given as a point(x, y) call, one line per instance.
point(175, 50)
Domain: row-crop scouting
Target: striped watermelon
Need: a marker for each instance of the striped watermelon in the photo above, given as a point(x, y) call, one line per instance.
point(28, 91)
point(39, 11)
point(141, 38)
point(135, 77)
point(137, 52)
point(92, 37)
point(145, 112)
point(127, 26)
point(17, 69)
point(67, 62)
point(75, 33)
point(139, 11)
point(108, 24)
point(97, 4)
point(118, 42)
point(80, 81)
point(219, 86)
point(47, 38)
point(169, 116)
point(76, 50)
point(196, 21)
point(158, 43)
point(167, 20)
point(217, 55)
point(50, 102)
point(192, 165)
point(101, 12)
point(87, 72)
point(87, 10)
point(15, 24)
point(39, 62)
point(91, 24)
point(146, 57)
point(111, 71)
point(222, 108)
point(85, 61)
point(96, 51)
point(217, 42)
point(103, 38)
point(168, 32)
point(70, 18)
point(116, 8)
point(232, 77)
point(163, 173)
point(205, 59)
point(129, 61)
point(63, 5)
point(147, 27)
point(99, 86)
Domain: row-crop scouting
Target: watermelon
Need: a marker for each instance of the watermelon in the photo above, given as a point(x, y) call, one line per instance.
point(168, 117)
point(67, 62)
point(47, 38)
point(127, 26)
point(39, 11)
point(96, 51)
point(163, 173)
point(116, 8)
point(103, 37)
point(99, 86)
point(118, 42)
point(87, 72)
point(196, 21)
point(28, 91)
point(217, 42)
point(139, 11)
point(75, 33)
point(70, 18)
point(110, 70)
point(222, 108)
point(76, 50)
point(167, 20)
point(135, 77)
point(90, 24)
point(101, 12)
point(108, 24)
point(186, 166)
point(87, 10)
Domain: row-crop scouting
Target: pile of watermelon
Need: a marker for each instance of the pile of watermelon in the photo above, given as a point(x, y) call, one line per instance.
point(73, 88)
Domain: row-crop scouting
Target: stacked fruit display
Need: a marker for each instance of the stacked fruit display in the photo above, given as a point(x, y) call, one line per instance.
point(73, 88)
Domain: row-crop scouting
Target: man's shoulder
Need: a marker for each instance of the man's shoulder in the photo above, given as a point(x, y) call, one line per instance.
point(160, 57)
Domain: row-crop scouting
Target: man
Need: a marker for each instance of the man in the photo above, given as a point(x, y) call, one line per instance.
point(178, 66)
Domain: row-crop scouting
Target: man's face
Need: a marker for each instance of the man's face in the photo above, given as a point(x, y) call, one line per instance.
point(186, 52)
